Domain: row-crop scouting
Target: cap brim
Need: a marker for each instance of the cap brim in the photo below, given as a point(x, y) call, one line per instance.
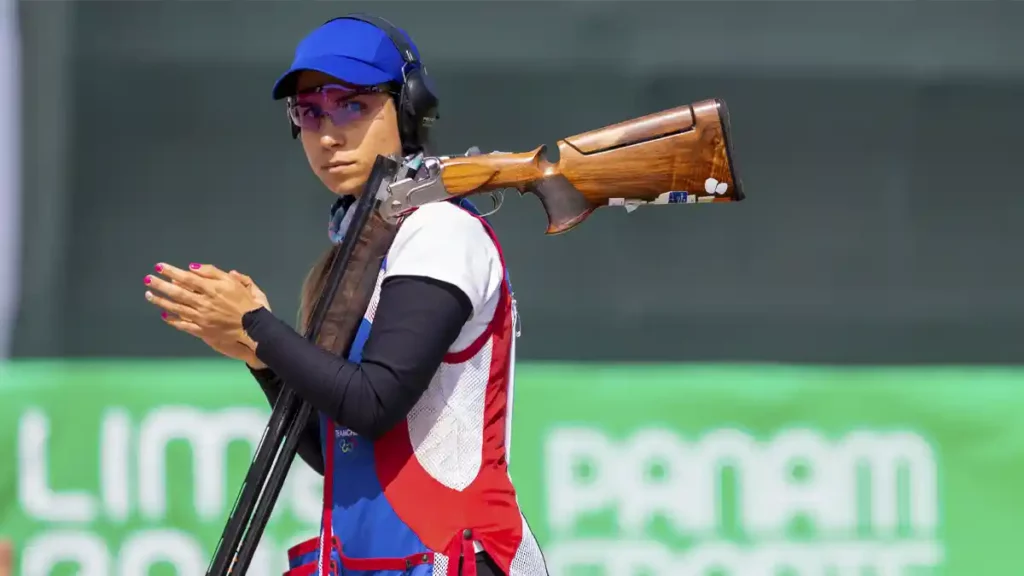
point(349, 70)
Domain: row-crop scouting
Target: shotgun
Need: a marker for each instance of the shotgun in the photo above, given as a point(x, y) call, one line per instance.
point(682, 155)
point(345, 290)
point(678, 156)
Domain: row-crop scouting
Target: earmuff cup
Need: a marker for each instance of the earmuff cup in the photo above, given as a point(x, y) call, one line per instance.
point(417, 107)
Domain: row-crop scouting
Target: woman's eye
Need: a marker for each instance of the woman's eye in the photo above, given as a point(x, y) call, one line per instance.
point(353, 106)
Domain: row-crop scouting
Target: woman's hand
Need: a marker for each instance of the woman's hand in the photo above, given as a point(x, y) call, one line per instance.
point(209, 303)
point(244, 350)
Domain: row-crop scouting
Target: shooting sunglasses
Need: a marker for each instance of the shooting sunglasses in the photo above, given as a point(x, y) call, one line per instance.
point(307, 109)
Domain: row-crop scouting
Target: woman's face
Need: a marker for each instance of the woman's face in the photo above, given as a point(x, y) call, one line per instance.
point(342, 151)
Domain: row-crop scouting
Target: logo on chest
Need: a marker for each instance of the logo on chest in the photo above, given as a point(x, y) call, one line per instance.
point(346, 440)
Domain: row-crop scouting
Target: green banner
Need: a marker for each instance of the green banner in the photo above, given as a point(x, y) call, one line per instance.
point(130, 468)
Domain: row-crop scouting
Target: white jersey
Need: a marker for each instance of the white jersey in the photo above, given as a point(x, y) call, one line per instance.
point(436, 486)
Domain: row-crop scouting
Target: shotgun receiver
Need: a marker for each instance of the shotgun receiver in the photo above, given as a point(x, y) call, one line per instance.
point(682, 155)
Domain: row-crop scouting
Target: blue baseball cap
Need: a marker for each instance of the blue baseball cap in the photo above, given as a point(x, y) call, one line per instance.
point(350, 50)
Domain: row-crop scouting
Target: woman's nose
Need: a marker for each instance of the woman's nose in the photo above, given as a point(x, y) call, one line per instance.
point(329, 139)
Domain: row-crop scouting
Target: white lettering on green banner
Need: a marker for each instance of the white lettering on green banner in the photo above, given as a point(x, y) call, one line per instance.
point(131, 468)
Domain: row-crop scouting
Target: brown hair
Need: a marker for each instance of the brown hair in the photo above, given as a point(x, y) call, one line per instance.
point(312, 286)
point(343, 317)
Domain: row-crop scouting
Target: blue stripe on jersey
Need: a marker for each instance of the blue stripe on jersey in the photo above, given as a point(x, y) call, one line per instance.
point(364, 521)
point(362, 335)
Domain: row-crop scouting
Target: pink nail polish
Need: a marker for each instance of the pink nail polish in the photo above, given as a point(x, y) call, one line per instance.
point(147, 280)
point(163, 315)
point(194, 266)
point(158, 268)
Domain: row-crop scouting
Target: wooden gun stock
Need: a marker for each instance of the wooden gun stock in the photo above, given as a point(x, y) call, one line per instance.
point(680, 155)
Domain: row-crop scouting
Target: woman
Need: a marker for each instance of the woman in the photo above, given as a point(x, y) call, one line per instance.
point(413, 428)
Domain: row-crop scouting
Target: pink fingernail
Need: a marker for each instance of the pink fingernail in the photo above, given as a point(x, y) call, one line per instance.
point(159, 267)
point(163, 315)
point(147, 280)
point(194, 266)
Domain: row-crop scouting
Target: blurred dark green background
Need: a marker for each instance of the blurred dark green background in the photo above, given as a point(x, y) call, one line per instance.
point(879, 143)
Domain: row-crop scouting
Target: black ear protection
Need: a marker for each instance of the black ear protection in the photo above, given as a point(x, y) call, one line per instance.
point(416, 101)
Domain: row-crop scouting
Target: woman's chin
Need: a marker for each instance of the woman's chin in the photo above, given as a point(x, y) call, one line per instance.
point(344, 186)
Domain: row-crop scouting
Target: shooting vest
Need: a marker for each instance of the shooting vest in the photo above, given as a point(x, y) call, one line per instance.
point(436, 487)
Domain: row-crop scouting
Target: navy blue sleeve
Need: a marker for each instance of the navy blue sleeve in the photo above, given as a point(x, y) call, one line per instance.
point(417, 321)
